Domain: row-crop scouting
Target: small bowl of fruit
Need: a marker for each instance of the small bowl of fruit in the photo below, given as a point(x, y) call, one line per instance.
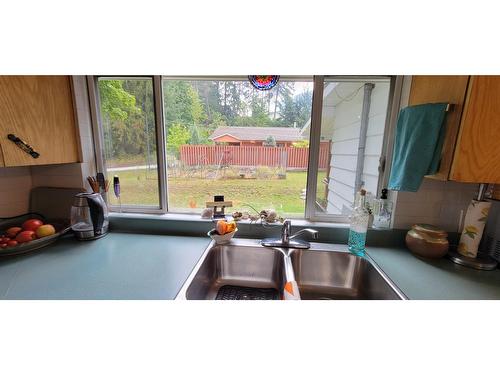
point(18, 237)
point(223, 232)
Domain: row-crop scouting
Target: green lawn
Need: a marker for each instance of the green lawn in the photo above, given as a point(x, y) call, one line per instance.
point(141, 187)
point(189, 194)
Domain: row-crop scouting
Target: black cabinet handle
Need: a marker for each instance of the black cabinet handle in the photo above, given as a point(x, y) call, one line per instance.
point(23, 146)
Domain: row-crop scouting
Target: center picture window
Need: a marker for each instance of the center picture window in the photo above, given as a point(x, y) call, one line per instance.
point(226, 137)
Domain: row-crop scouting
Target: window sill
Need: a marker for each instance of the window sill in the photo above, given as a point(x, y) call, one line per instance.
point(175, 224)
point(195, 218)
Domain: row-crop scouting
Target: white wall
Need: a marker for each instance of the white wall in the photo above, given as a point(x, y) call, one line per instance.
point(344, 117)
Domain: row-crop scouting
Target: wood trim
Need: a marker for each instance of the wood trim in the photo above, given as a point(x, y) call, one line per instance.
point(78, 139)
point(442, 89)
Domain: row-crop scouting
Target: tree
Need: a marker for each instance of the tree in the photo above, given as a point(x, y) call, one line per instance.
point(116, 103)
point(217, 120)
point(284, 92)
point(178, 135)
point(288, 114)
point(231, 99)
point(295, 110)
point(145, 128)
point(182, 103)
point(303, 106)
point(123, 118)
point(197, 110)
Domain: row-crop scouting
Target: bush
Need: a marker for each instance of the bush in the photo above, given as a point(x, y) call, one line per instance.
point(301, 144)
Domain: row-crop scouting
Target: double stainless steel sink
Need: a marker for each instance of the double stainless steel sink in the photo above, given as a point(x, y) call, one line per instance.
point(324, 271)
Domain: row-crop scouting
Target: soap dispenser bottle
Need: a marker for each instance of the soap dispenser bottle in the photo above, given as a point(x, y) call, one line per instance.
point(382, 212)
point(359, 225)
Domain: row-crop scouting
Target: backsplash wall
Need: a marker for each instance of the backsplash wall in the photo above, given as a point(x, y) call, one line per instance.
point(15, 186)
point(440, 203)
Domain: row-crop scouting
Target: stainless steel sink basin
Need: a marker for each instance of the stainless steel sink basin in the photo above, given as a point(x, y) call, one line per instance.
point(242, 263)
point(325, 271)
point(340, 275)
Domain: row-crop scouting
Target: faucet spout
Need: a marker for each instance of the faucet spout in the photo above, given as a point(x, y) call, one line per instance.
point(314, 233)
point(288, 240)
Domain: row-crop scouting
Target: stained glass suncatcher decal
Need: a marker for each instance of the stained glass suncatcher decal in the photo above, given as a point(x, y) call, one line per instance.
point(263, 82)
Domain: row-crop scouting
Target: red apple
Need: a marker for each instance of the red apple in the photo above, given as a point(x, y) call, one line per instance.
point(25, 236)
point(3, 245)
point(32, 224)
point(4, 239)
point(13, 231)
point(12, 243)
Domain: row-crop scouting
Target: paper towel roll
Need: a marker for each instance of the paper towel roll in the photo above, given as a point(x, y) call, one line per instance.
point(475, 220)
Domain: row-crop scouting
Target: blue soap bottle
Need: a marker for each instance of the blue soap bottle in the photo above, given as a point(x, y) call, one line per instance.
point(359, 226)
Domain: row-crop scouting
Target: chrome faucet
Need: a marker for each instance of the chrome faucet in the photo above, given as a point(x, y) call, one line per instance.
point(287, 240)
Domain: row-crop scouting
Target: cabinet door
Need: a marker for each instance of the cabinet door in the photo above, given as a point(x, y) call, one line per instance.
point(442, 89)
point(477, 155)
point(38, 110)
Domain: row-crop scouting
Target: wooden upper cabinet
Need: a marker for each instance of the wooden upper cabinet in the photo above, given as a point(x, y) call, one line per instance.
point(442, 89)
point(38, 110)
point(477, 154)
point(471, 150)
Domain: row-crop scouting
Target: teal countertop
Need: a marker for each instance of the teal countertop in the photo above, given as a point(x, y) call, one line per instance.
point(439, 279)
point(118, 266)
point(147, 266)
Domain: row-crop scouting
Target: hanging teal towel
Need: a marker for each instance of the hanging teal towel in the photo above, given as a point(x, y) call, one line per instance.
point(417, 146)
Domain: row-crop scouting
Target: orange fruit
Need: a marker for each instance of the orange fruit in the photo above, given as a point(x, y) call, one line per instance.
point(221, 227)
point(231, 226)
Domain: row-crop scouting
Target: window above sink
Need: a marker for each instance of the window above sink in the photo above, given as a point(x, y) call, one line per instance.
point(175, 142)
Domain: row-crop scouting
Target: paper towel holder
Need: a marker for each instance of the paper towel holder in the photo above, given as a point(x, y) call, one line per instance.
point(481, 262)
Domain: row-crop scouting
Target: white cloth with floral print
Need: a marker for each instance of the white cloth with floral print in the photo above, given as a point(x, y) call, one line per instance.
point(475, 220)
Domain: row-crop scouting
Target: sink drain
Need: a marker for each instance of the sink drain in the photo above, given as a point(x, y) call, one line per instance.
point(231, 292)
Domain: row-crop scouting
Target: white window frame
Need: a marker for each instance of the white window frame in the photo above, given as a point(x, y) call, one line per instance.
point(98, 135)
point(393, 105)
point(311, 213)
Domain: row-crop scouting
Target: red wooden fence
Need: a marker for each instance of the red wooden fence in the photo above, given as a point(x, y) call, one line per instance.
point(288, 157)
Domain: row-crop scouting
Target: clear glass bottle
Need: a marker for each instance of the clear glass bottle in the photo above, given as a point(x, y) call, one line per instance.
point(382, 212)
point(359, 225)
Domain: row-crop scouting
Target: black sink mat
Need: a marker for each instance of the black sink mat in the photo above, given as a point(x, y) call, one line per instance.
point(231, 292)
